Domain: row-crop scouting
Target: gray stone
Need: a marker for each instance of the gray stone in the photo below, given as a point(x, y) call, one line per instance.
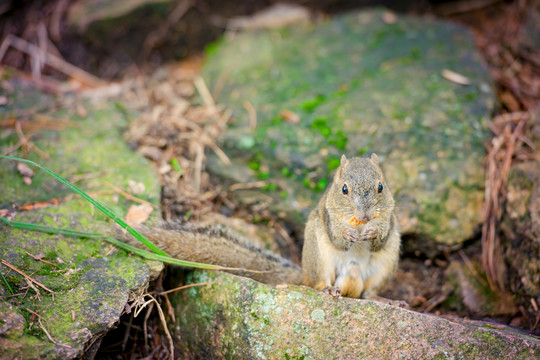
point(242, 319)
point(359, 85)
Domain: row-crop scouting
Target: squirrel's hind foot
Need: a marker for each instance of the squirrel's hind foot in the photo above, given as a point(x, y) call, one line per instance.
point(332, 290)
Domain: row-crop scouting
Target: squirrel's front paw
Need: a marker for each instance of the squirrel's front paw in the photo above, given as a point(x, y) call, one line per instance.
point(352, 235)
point(369, 233)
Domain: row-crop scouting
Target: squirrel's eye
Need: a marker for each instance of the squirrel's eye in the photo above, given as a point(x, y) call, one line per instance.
point(380, 188)
point(345, 189)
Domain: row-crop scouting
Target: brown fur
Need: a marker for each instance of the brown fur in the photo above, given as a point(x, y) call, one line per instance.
point(350, 260)
point(219, 246)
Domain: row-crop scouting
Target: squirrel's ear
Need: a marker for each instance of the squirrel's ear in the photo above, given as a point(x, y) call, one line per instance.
point(375, 158)
point(344, 160)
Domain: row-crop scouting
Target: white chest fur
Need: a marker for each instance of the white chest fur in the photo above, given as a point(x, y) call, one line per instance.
point(358, 267)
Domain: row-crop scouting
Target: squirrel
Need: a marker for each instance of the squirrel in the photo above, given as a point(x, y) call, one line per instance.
point(338, 258)
point(351, 241)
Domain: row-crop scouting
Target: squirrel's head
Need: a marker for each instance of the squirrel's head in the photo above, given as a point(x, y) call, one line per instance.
point(359, 189)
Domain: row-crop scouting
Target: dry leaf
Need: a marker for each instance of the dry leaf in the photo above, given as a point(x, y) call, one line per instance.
point(135, 187)
point(164, 169)
point(36, 257)
point(137, 214)
point(25, 170)
point(289, 117)
point(417, 300)
point(35, 205)
point(81, 111)
point(389, 17)
point(150, 152)
point(455, 77)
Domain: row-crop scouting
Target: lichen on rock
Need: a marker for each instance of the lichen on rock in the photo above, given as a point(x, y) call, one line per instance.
point(238, 318)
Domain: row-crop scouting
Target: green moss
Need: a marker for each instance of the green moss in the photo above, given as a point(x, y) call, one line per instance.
point(270, 187)
point(263, 175)
point(362, 151)
point(321, 185)
point(333, 163)
point(254, 165)
point(339, 140)
point(311, 104)
point(211, 48)
point(294, 357)
point(276, 120)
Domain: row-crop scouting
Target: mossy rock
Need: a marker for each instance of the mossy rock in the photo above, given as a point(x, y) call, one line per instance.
point(92, 281)
point(238, 318)
point(88, 151)
point(359, 85)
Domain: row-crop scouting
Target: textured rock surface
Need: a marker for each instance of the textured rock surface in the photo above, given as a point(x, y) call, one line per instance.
point(239, 318)
point(92, 280)
point(357, 85)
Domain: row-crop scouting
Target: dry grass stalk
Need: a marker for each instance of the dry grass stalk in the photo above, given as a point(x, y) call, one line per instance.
point(508, 129)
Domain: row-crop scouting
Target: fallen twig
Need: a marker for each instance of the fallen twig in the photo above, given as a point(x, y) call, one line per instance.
point(36, 257)
point(49, 335)
point(184, 287)
point(4, 262)
point(128, 195)
point(51, 60)
point(252, 114)
point(205, 93)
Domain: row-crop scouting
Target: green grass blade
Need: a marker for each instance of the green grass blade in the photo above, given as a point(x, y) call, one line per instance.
point(50, 230)
point(109, 213)
point(7, 284)
point(93, 235)
point(166, 259)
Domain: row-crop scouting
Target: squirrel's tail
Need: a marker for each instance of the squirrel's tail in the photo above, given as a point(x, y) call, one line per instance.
point(217, 245)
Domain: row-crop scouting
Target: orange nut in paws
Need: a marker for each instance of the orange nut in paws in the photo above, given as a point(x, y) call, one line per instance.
point(355, 222)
